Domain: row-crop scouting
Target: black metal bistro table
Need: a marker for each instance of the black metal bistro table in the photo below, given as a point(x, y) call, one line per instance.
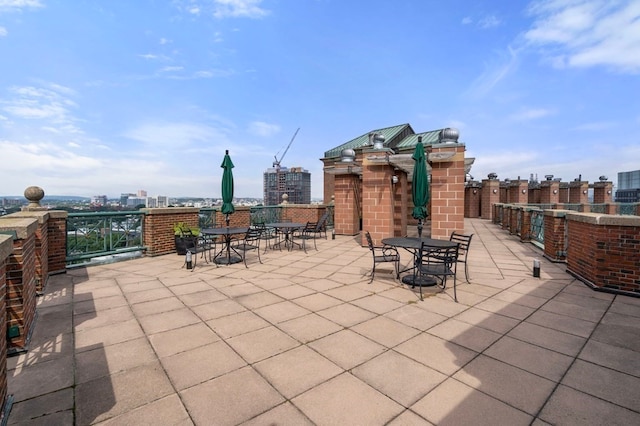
point(287, 229)
point(413, 245)
point(225, 256)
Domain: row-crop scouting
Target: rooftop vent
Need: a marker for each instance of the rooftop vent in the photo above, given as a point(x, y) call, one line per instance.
point(449, 135)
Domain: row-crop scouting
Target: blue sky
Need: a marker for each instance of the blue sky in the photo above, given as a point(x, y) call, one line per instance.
point(104, 97)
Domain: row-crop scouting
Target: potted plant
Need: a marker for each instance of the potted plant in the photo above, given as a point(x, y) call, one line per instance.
point(185, 236)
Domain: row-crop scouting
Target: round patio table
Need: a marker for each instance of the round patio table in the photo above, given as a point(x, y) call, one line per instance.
point(413, 245)
point(226, 248)
point(287, 229)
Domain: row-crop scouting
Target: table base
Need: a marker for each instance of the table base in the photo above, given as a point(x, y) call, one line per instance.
point(228, 260)
point(419, 281)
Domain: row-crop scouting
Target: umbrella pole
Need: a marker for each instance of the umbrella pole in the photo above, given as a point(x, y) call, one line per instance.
point(226, 218)
point(419, 228)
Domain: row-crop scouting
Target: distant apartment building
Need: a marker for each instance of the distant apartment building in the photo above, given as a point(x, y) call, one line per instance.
point(162, 201)
point(99, 200)
point(293, 181)
point(628, 187)
point(141, 193)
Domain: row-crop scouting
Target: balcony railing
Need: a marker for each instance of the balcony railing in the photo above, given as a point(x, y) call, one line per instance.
point(537, 227)
point(103, 236)
point(265, 214)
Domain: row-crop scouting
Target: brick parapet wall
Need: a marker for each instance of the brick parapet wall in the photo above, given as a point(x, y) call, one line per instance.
point(525, 225)
point(158, 234)
point(377, 201)
point(472, 198)
point(21, 280)
point(57, 242)
point(490, 195)
point(603, 251)
point(6, 248)
point(578, 192)
point(554, 235)
point(602, 192)
point(347, 215)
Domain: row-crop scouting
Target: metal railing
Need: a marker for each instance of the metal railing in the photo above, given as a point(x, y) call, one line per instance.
point(537, 227)
point(627, 208)
point(265, 214)
point(207, 217)
point(103, 236)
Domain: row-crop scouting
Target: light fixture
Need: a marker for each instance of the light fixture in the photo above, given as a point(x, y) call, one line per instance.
point(524, 191)
point(555, 191)
point(475, 191)
point(495, 191)
point(394, 179)
point(584, 192)
point(609, 192)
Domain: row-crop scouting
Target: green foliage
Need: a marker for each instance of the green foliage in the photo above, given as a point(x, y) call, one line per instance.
point(182, 229)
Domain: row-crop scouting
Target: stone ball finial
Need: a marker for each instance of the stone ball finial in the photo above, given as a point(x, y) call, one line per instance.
point(285, 198)
point(34, 194)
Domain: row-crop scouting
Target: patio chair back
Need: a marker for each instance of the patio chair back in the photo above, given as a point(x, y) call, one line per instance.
point(251, 241)
point(383, 254)
point(439, 263)
point(465, 243)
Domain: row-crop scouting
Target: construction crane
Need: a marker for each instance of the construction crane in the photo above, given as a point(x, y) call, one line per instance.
point(277, 161)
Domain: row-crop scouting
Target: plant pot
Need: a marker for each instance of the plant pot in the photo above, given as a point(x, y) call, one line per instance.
point(183, 242)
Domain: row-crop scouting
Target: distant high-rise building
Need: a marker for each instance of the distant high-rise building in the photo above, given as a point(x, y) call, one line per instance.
point(142, 193)
point(124, 197)
point(136, 201)
point(99, 200)
point(293, 181)
point(628, 187)
point(151, 202)
point(162, 201)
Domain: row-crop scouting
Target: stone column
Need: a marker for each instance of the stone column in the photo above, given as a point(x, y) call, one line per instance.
point(377, 199)
point(518, 192)
point(602, 192)
point(578, 192)
point(549, 191)
point(447, 188)
point(472, 199)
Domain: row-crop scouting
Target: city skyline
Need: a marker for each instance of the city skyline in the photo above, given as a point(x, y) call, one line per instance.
point(98, 96)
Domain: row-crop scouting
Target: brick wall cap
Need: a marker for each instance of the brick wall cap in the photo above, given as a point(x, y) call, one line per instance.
point(604, 219)
point(531, 208)
point(41, 216)
point(170, 210)
point(446, 145)
point(556, 212)
point(6, 247)
point(59, 214)
point(24, 227)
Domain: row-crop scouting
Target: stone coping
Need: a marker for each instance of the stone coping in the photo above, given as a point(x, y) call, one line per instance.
point(42, 215)
point(604, 219)
point(24, 227)
point(6, 246)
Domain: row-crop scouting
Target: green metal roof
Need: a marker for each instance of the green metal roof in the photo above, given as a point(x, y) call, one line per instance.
point(399, 138)
point(389, 133)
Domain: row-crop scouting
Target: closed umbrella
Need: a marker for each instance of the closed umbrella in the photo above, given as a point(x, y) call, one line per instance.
point(227, 186)
point(420, 185)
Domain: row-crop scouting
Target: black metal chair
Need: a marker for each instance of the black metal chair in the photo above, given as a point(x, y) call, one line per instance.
point(251, 241)
point(438, 263)
point(310, 231)
point(464, 241)
point(383, 254)
point(269, 235)
point(201, 244)
point(322, 224)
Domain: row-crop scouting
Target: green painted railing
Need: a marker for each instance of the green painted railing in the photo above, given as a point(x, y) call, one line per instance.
point(103, 236)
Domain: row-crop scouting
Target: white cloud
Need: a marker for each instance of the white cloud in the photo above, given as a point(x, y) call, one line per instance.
point(530, 114)
point(260, 128)
point(466, 20)
point(596, 126)
point(489, 21)
point(163, 134)
point(494, 73)
point(223, 8)
point(18, 5)
point(3, 32)
point(585, 33)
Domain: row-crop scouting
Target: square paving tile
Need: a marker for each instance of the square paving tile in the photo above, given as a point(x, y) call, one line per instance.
point(170, 320)
point(614, 357)
point(157, 306)
point(258, 300)
point(346, 400)
point(219, 309)
point(309, 327)
point(400, 378)
point(182, 339)
point(317, 301)
point(346, 314)
point(239, 396)
point(415, 317)
point(107, 335)
point(377, 304)
point(236, 324)
point(347, 349)
point(455, 403)
point(543, 362)
point(564, 323)
point(165, 411)
point(347, 293)
point(385, 331)
point(195, 366)
point(293, 291)
point(464, 334)
point(571, 407)
point(284, 414)
point(558, 341)
point(511, 385)
point(296, 371)
point(432, 351)
point(282, 311)
point(202, 297)
point(488, 320)
point(260, 344)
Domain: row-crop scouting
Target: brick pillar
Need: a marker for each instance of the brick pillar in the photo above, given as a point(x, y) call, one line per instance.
point(490, 196)
point(57, 232)
point(6, 248)
point(555, 246)
point(347, 203)
point(578, 192)
point(377, 200)
point(518, 192)
point(472, 199)
point(525, 228)
point(534, 195)
point(42, 245)
point(401, 211)
point(21, 281)
point(447, 189)
point(158, 225)
point(549, 192)
point(563, 196)
point(602, 192)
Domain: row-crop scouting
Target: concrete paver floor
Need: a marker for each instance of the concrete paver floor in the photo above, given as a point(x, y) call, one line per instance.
point(305, 339)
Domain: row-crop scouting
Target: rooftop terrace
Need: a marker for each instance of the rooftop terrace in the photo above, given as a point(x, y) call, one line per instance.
point(304, 339)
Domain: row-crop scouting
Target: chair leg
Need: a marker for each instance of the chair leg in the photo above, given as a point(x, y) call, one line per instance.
point(373, 272)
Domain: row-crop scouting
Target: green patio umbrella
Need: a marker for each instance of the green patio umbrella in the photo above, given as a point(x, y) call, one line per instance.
point(420, 185)
point(227, 187)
